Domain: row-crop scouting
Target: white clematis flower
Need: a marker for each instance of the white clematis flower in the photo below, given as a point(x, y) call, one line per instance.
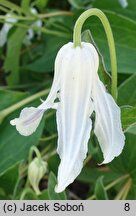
point(30, 32)
point(10, 21)
point(80, 92)
point(124, 3)
point(6, 28)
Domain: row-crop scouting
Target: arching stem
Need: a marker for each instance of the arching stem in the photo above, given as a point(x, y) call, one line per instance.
point(77, 41)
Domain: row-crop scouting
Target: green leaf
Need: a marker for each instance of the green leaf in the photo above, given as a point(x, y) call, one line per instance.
point(51, 186)
point(106, 4)
point(127, 92)
point(132, 130)
point(125, 163)
point(14, 147)
point(115, 6)
point(124, 31)
point(25, 4)
point(132, 193)
point(8, 98)
point(11, 64)
point(53, 163)
point(51, 126)
point(89, 175)
point(94, 149)
point(44, 195)
point(46, 62)
point(128, 117)
point(8, 181)
point(41, 3)
point(79, 4)
point(100, 192)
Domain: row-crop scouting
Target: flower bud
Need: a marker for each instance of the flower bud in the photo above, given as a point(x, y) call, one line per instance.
point(36, 170)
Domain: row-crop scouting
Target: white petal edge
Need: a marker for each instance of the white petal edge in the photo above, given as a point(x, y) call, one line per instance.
point(28, 120)
point(107, 123)
point(5, 29)
point(55, 88)
point(108, 119)
point(3, 36)
point(30, 117)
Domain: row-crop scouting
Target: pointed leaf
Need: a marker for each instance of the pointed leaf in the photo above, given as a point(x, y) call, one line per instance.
point(128, 116)
point(11, 64)
point(14, 147)
point(125, 164)
point(100, 192)
point(127, 92)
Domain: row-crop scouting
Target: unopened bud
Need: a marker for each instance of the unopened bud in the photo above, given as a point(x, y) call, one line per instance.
point(36, 170)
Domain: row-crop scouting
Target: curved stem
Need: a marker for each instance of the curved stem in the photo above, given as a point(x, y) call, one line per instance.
point(26, 191)
point(44, 139)
point(34, 149)
point(30, 158)
point(77, 41)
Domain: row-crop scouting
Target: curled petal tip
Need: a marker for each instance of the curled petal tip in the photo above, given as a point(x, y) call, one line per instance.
point(59, 189)
point(28, 121)
point(13, 122)
point(119, 150)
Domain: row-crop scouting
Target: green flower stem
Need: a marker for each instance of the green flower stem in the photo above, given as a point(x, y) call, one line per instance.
point(87, 159)
point(47, 156)
point(19, 17)
point(18, 105)
point(77, 41)
point(37, 16)
point(17, 87)
point(11, 6)
point(37, 29)
point(4, 9)
point(45, 150)
point(57, 13)
point(127, 189)
point(112, 184)
point(45, 139)
point(124, 191)
point(27, 191)
point(38, 155)
point(30, 158)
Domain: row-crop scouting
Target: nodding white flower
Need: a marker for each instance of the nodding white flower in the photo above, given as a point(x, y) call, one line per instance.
point(123, 3)
point(10, 21)
point(30, 32)
point(6, 28)
point(80, 92)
